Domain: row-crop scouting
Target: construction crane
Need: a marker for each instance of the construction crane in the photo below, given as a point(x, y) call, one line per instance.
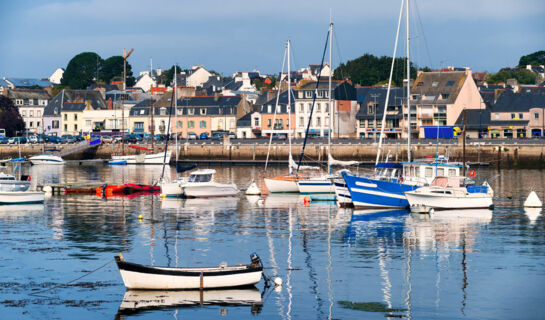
point(125, 56)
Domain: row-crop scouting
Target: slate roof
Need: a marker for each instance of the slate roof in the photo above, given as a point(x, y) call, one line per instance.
point(107, 87)
point(342, 90)
point(394, 101)
point(430, 86)
point(475, 119)
point(73, 100)
point(25, 83)
point(519, 102)
point(282, 103)
point(221, 106)
point(28, 94)
point(245, 121)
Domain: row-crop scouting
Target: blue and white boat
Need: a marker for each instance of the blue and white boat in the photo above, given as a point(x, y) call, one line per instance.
point(386, 188)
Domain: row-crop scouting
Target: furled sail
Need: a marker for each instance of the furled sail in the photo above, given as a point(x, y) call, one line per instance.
point(293, 165)
point(334, 162)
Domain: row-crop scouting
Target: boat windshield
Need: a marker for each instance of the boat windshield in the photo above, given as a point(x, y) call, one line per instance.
point(200, 178)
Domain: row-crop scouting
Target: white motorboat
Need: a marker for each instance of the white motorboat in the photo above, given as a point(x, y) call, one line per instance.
point(136, 276)
point(136, 300)
point(172, 189)
point(279, 184)
point(156, 158)
point(46, 158)
point(201, 184)
point(9, 183)
point(451, 193)
point(21, 197)
point(322, 184)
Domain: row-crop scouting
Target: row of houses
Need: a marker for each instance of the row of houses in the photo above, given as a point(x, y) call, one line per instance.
point(437, 100)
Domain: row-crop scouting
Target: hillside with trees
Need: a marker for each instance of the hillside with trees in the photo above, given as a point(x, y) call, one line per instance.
point(535, 59)
point(369, 70)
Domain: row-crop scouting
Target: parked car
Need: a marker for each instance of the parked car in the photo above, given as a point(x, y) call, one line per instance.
point(191, 136)
point(53, 139)
point(117, 139)
point(232, 135)
point(33, 139)
point(130, 138)
point(17, 140)
point(107, 139)
point(68, 138)
point(79, 138)
point(4, 140)
point(203, 136)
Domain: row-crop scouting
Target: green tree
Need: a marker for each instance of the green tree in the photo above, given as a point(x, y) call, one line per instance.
point(10, 119)
point(113, 68)
point(535, 59)
point(257, 83)
point(523, 76)
point(82, 70)
point(369, 70)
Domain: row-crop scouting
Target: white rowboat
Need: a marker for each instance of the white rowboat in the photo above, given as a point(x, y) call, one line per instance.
point(156, 158)
point(21, 197)
point(136, 276)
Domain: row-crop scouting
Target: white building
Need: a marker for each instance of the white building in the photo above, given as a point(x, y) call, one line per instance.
point(31, 104)
point(197, 76)
point(145, 82)
point(56, 76)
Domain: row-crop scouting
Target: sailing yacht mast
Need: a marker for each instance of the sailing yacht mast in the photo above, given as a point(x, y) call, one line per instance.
point(389, 85)
point(408, 84)
point(329, 102)
point(176, 111)
point(289, 107)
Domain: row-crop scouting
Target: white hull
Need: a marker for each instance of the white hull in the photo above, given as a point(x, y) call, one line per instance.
point(442, 201)
point(156, 158)
point(21, 197)
point(316, 185)
point(144, 299)
point(137, 280)
point(208, 189)
point(342, 193)
point(279, 185)
point(171, 189)
point(46, 159)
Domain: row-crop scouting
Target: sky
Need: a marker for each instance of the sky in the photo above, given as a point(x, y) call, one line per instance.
point(245, 35)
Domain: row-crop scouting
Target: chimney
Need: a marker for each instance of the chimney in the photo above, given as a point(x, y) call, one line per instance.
point(216, 96)
point(110, 104)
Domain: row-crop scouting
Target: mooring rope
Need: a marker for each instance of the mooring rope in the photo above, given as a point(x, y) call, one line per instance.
point(67, 283)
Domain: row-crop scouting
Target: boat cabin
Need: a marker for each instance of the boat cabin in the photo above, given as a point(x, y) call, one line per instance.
point(205, 175)
point(388, 170)
point(423, 171)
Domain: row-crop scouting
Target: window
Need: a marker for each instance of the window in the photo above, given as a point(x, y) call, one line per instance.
point(180, 111)
point(513, 116)
point(142, 112)
point(31, 124)
point(202, 124)
point(326, 108)
point(180, 124)
point(318, 122)
point(191, 111)
point(536, 115)
point(435, 83)
point(320, 94)
point(75, 116)
point(300, 94)
point(203, 111)
point(31, 102)
point(429, 172)
point(308, 94)
point(24, 113)
point(38, 124)
point(450, 83)
point(326, 94)
point(308, 107)
point(440, 172)
point(75, 127)
point(451, 172)
point(521, 116)
point(191, 124)
point(362, 123)
point(139, 126)
point(55, 124)
point(256, 122)
point(163, 111)
point(301, 107)
point(88, 123)
point(301, 122)
point(370, 109)
point(445, 96)
point(31, 113)
point(38, 113)
point(317, 107)
point(269, 123)
point(326, 121)
point(269, 108)
point(18, 102)
point(497, 116)
point(232, 124)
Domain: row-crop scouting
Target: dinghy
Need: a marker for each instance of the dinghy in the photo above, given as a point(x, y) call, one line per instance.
point(136, 276)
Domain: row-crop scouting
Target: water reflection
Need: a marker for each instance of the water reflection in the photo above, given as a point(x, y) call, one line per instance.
point(137, 301)
point(21, 210)
point(385, 224)
point(533, 214)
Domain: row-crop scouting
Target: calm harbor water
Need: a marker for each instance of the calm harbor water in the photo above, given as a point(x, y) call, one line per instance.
point(335, 263)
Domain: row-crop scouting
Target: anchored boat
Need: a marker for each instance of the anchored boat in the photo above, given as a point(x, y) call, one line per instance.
point(137, 276)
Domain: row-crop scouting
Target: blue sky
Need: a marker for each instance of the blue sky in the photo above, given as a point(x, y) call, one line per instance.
point(227, 36)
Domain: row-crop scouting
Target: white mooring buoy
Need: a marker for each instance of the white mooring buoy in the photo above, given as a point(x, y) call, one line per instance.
point(532, 201)
point(277, 281)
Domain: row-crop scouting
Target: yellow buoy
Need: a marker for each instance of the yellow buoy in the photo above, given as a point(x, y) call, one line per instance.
point(140, 217)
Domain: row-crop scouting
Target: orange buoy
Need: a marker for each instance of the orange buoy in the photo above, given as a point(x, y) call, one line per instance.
point(306, 200)
point(471, 173)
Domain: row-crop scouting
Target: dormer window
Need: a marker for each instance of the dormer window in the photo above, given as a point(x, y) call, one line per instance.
point(191, 111)
point(30, 102)
point(142, 112)
point(320, 94)
point(19, 102)
point(419, 84)
point(300, 94)
point(308, 94)
point(450, 83)
point(445, 96)
point(435, 84)
point(163, 111)
point(203, 111)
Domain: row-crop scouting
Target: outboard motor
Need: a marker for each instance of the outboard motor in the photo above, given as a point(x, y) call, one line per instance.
point(256, 260)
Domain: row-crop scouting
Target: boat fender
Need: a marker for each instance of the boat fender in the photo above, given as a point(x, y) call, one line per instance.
point(121, 256)
point(471, 173)
point(104, 189)
point(306, 200)
point(278, 281)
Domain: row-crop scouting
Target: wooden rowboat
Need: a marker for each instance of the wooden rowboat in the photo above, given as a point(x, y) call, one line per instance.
point(136, 276)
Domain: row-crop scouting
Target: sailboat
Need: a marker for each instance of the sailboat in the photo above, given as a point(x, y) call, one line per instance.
point(284, 183)
point(387, 186)
point(324, 183)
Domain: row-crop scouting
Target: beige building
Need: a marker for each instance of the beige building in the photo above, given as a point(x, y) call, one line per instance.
point(31, 104)
point(438, 99)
